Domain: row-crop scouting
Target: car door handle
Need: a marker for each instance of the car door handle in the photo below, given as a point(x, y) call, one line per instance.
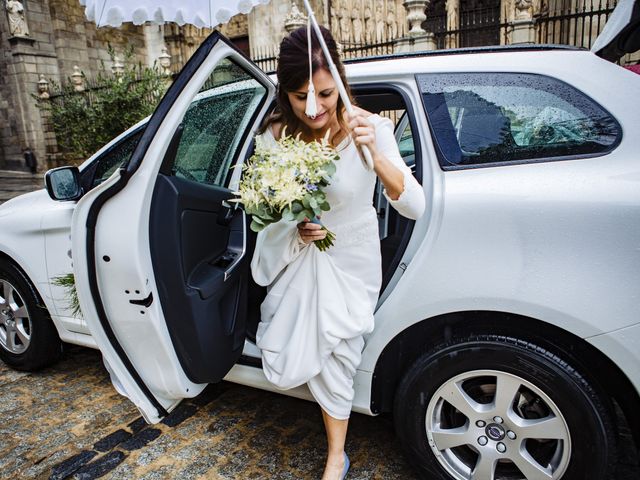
point(226, 213)
point(237, 244)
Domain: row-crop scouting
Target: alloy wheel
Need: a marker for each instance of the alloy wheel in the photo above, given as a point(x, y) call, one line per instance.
point(490, 425)
point(15, 322)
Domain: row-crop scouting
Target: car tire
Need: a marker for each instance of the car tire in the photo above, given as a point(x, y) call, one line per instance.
point(28, 339)
point(503, 388)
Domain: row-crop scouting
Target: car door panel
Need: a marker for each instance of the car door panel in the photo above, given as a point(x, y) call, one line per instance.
point(127, 294)
point(189, 248)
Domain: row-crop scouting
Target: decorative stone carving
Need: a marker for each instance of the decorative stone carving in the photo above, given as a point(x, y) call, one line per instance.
point(392, 24)
point(380, 23)
point(43, 87)
point(356, 21)
point(522, 27)
point(295, 19)
point(344, 22)
point(415, 16)
point(523, 9)
point(77, 79)
point(369, 24)
point(165, 61)
point(118, 67)
point(17, 21)
point(451, 7)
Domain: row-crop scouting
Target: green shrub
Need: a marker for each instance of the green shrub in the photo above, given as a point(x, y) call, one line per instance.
point(85, 121)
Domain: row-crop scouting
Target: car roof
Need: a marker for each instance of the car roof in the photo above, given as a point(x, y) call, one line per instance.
point(561, 61)
point(528, 47)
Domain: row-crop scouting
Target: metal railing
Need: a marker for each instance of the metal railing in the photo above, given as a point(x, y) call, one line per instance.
point(573, 23)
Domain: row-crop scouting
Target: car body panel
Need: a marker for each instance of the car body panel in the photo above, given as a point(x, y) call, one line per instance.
point(622, 346)
point(513, 274)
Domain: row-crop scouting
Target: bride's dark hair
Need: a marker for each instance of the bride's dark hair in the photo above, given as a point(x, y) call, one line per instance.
point(293, 72)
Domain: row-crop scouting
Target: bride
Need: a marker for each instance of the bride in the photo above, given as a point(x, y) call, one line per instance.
point(320, 304)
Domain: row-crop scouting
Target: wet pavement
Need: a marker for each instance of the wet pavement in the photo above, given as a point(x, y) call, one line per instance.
point(68, 422)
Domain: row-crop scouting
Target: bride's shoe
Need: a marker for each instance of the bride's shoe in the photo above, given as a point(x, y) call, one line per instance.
point(346, 466)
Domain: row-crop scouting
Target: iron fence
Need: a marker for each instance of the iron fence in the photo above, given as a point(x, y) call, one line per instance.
point(266, 57)
point(573, 23)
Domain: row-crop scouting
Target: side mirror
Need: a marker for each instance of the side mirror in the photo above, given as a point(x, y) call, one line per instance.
point(63, 183)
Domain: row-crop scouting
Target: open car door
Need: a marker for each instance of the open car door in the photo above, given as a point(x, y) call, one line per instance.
point(160, 257)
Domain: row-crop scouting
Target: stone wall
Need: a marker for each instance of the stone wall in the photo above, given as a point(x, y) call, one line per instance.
point(59, 38)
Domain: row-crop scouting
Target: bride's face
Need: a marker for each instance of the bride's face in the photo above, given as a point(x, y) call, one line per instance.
point(326, 101)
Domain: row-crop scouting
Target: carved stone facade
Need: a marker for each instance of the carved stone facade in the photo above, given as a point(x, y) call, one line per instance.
point(359, 22)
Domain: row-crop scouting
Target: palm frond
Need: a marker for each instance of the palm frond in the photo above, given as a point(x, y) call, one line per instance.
point(68, 282)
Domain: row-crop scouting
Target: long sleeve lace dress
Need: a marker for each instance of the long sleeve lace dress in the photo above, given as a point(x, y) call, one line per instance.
point(320, 304)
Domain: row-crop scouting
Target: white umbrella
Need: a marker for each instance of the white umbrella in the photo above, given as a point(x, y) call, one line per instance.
point(201, 13)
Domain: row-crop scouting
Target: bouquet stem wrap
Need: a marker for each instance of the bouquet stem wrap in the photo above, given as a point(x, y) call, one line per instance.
point(327, 241)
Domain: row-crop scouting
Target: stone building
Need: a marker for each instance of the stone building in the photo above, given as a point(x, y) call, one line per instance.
point(44, 41)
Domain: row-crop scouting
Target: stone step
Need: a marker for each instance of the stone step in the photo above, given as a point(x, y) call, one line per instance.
point(14, 183)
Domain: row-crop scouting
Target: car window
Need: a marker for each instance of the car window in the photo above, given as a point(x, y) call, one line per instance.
point(492, 118)
point(215, 123)
point(405, 141)
point(116, 156)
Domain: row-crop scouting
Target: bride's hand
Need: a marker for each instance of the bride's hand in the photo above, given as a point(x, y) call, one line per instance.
point(310, 232)
point(362, 130)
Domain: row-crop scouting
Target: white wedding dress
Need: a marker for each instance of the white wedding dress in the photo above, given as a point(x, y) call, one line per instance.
point(320, 304)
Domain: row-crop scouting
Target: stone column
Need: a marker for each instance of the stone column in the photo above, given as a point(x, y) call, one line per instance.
point(417, 38)
point(452, 7)
point(154, 43)
point(523, 27)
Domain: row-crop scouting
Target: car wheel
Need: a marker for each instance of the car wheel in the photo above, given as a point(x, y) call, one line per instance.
point(492, 407)
point(28, 339)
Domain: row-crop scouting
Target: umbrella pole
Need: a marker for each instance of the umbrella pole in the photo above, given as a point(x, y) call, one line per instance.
point(367, 160)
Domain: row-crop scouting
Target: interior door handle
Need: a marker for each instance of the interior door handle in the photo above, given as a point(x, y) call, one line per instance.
point(237, 244)
point(227, 212)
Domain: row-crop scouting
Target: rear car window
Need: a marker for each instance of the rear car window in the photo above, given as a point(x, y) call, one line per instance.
point(492, 118)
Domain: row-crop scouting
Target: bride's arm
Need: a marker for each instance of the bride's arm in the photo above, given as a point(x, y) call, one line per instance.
point(401, 189)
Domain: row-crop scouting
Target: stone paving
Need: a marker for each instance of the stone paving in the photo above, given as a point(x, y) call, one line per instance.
point(68, 422)
point(13, 184)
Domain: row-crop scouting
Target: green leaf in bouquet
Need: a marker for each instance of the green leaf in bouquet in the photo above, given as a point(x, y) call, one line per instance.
point(287, 214)
point(304, 214)
point(305, 201)
point(313, 203)
point(330, 169)
point(255, 226)
point(296, 207)
point(325, 206)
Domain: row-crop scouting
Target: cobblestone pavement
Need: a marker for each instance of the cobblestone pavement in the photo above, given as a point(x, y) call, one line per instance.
point(69, 421)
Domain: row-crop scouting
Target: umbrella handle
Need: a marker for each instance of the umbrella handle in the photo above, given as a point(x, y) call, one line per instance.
point(367, 161)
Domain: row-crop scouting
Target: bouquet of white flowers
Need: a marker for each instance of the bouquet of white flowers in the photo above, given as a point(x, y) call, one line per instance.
point(285, 181)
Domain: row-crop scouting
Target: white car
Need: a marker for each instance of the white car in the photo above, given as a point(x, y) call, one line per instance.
point(508, 324)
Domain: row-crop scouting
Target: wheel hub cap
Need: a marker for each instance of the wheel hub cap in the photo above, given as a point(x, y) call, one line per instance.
point(15, 322)
point(495, 432)
point(493, 425)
